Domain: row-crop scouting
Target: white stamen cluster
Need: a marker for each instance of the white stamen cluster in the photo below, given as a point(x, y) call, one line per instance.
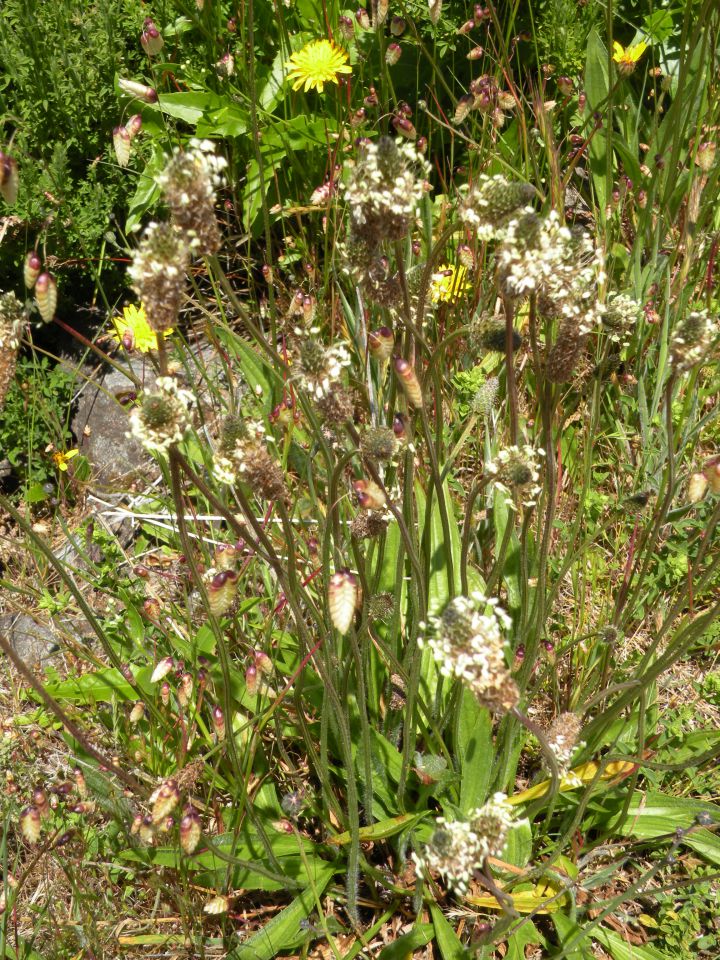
point(158, 274)
point(320, 366)
point(228, 464)
point(163, 416)
point(692, 339)
point(518, 469)
point(384, 189)
point(490, 202)
point(541, 256)
point(562, 738)
point(460, 847)
point(189, 182)
point(468, 644)
point(621, 316)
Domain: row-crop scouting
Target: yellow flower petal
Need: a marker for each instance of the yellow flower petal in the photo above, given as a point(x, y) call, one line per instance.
point(319, 62)
point(134, 331)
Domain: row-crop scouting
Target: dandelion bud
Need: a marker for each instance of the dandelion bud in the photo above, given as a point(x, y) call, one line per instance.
point(641, 199)
point(711, 472)
point(137, 713)
point(46, 296)
point(363, 18)
point(466, 27)
point(397, 26)
point(263, 662)
point(480, 13)
point(30, 824)
point(134, 125)
point(392, 54)
point(221, 592)
point(121, 145)
point(565, 86)
point(369, 495)
point(218, 721)
point(31, 269)
point(138, 91)
point(582, 100)
point(343, 595)
point(9, 179)
point(167, 798)
point(476, 53)
point(80, 784)
point(705, 157)
point(146, 831)
point(381, 343)
point(162, 670)
point(165, 693)
point(252, 679)
point(190, 832)
point(409, 382)
point(404, 127)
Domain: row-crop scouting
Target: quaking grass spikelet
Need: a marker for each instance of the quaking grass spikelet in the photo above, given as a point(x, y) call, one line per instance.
point(343, 595)
point(409, 382)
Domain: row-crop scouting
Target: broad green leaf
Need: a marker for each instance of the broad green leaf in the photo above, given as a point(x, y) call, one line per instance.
point(619, 949)
point(254, 371)
point(518, 848)
point(403, 948)
point(284, 932)
point(653, 814)
point(380, 830)
point(147, 192)
point(101, 686)
point(228, 120)
point(574, 779)
point(541, 898)
point(526, 936)
point(502, 516)
point(189, 106)
point(474, 751)
point(446, 938)
point(567, 931)
point(596, 88)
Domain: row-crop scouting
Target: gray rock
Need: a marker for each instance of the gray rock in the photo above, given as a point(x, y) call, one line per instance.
point(34, 642)
point(101, 426)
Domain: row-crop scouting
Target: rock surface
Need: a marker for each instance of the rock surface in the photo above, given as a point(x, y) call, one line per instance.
point(101, 426)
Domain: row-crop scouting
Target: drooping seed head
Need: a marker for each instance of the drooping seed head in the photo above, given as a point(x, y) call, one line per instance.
point(31, 269)
point(46, 296)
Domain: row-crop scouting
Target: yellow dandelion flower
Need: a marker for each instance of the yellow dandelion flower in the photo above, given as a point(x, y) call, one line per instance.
point(319, 62)
point(627, 57)
point(133, 330)
point(449, 284)
point(61, 458)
